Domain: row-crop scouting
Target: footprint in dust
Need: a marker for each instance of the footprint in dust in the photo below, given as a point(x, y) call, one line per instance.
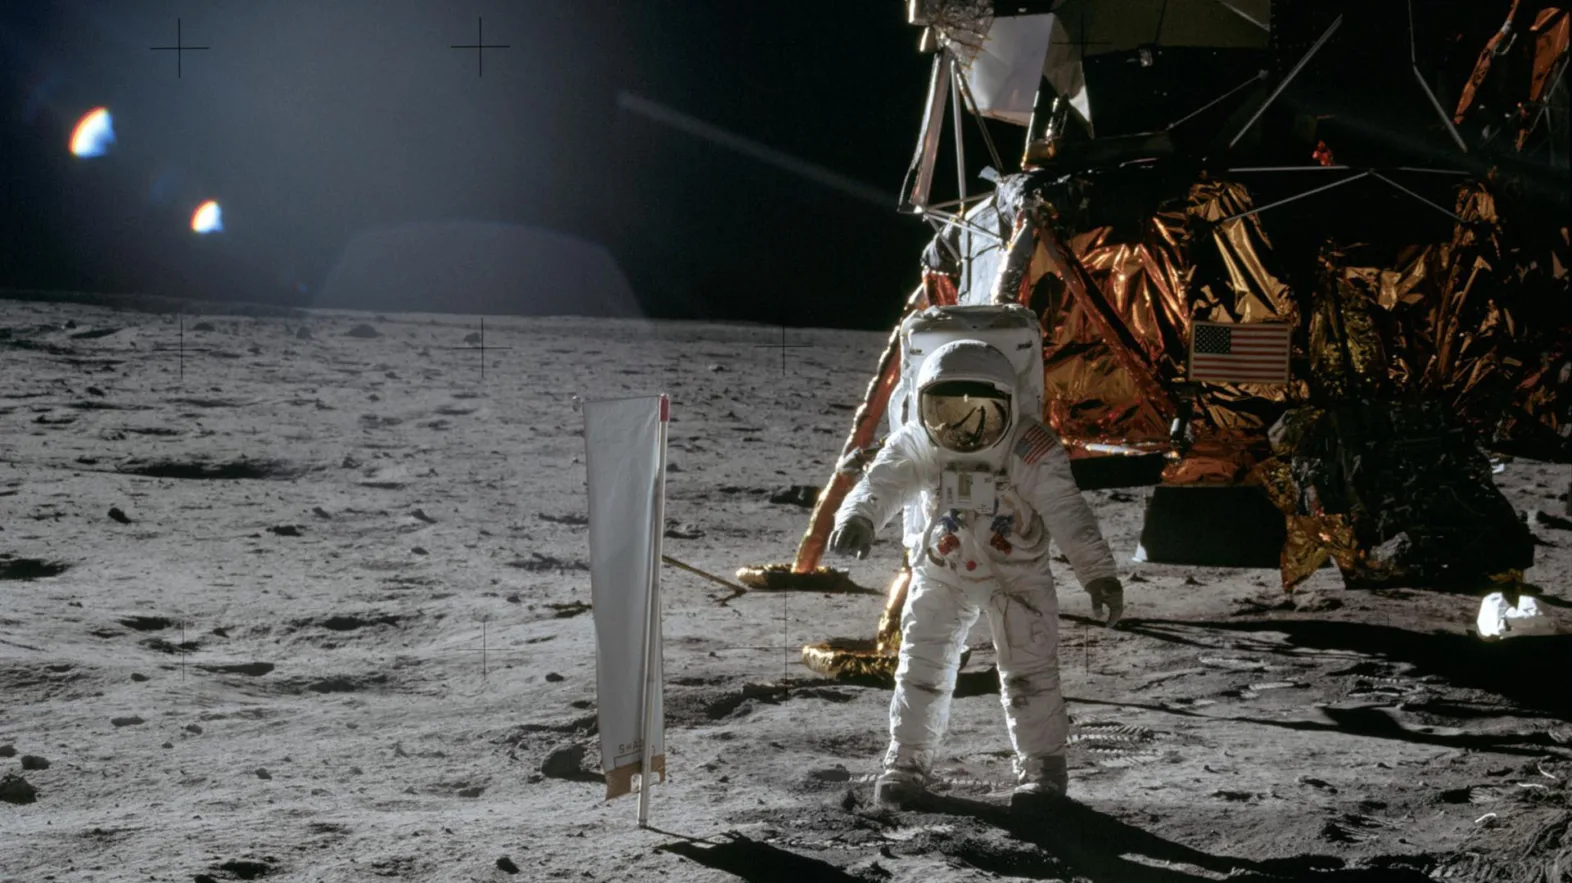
point(1113, 744)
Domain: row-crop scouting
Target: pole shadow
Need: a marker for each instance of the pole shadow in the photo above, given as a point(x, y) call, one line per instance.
point(758, 862)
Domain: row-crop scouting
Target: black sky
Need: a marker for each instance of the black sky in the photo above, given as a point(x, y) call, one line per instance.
point(313, 121)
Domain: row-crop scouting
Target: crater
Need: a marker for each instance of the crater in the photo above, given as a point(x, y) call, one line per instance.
point(253, 669)
point(146, 623)
point(216, 470)
point(350, 623)
point(30, 568)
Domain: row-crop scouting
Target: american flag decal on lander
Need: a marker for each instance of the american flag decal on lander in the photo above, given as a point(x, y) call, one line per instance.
point(1254, 352)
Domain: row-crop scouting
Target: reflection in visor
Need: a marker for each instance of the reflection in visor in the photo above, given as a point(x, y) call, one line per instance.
point(963, 416)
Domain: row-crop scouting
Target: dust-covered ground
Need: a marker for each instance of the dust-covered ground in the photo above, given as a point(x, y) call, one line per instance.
point(319, 611)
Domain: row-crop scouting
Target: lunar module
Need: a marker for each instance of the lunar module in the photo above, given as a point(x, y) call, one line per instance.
point(1300, 265)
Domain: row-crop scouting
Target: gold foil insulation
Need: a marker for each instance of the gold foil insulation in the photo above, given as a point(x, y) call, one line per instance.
point(860, 659)
point(1118, 313)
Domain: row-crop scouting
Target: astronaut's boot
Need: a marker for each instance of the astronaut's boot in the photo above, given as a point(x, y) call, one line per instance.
point(1040, 783)
point(904, 779)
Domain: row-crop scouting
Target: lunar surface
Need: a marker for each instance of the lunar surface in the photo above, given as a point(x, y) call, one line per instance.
point(305, 597)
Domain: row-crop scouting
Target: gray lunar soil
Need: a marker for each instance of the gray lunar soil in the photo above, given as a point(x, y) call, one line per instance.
point(320, 611)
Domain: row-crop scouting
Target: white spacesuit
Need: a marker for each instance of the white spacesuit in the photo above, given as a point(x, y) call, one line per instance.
point(991, 485)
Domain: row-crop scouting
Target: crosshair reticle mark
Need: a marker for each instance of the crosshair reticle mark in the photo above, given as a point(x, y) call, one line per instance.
point(180, 49)
point(480, 46)
point(482, 348)
point(783, 346)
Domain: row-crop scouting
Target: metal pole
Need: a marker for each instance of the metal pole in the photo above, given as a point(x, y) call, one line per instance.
point(960, 221)
point(914, 194)
point(1298, 66)
point(1413, 63)
point(1289, 199)
point(652, 629)
point(982, 123)
point(960, 169)
point(1432, 204)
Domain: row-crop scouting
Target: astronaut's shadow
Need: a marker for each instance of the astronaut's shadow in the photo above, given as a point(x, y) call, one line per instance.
point(1095, 844)
point(977, 683)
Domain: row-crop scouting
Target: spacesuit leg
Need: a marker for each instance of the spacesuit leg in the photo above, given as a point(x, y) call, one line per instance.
point(934, 625)
point(1024, 614)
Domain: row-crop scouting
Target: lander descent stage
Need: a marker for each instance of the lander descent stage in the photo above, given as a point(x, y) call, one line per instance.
point(1381, 188)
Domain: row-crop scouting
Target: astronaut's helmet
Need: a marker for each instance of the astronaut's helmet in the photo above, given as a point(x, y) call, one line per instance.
point(964, 416)
point(965, 399)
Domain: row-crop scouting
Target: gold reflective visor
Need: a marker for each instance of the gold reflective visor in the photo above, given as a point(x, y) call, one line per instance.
point(964, 417)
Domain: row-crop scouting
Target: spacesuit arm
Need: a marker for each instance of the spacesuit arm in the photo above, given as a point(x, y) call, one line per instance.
point(890, 480)
point(1047, 485)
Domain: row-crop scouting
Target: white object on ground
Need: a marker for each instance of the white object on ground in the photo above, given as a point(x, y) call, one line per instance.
point(626, 465)
point(1498, 619)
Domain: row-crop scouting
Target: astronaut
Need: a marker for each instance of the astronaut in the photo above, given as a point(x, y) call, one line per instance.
point(990, 485)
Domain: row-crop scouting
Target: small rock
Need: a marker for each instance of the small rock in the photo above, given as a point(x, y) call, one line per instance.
point(167, 745)
point(1316, 783)
point(34, 762)
point(554, 677)
point(7, 750)
point(127, 721)
point(374, 397)
point(285, 530)
point(138, 677)
point(513, 598)
point(194, 728)
point(564, 763)
point(421, 514)
point(1190, 580)
point(263, 773)
point(420, 551)
point(714, 368)
point(506, 864)
point(472, 337)
point(303, 333)
point(804, 495)
point(1552, 521)
point(363, 331)
point(119, 516)
point(15, 789)
point(95, 391)
point(350, 463)
point(202, 326)
point(684, 532)
point(320, 512)
point(70, 323)
point(1314, 602)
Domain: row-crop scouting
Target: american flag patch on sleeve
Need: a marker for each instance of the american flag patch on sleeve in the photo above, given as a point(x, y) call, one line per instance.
point(1034, 443)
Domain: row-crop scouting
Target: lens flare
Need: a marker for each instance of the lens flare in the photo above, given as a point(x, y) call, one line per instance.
point(207, 218)
point(93, 134)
